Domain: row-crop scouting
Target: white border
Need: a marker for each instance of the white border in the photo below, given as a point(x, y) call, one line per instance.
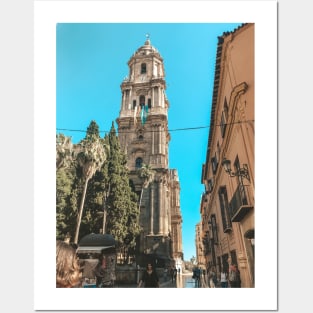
point(264, 15)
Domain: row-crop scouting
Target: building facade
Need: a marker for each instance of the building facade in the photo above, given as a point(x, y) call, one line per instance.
point(144, 137)
point(227, 205)
point(200, 250)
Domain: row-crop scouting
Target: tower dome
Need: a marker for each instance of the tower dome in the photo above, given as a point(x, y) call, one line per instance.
point(147, 49)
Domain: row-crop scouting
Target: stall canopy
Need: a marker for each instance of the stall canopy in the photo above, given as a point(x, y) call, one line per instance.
point(96, 242)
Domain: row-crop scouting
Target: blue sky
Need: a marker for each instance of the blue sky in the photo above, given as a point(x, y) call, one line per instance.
point(90, 67)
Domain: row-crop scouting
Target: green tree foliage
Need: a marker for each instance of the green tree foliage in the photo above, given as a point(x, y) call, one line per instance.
point(122, 219)
point(92, 131)
point(65, 186)
point(94, 193)
point(95, 203)
point(66, 201)
point(64, 150)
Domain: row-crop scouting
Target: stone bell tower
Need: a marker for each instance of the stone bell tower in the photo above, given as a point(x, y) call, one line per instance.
point(144, 137)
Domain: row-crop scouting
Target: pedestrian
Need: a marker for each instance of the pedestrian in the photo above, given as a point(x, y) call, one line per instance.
point(238, 280)
point(215, 280)
point(224, 278)
point(197, 276)
point(204, 277)
point(200, 277)
point(165, 272)
point(68, 274)
point(173, 273)
point(234, 276)
point(212, 278)
point(149, 278)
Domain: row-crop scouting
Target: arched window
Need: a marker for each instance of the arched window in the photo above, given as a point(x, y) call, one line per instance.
point(138, 163)
point(142, 100)
point(143, 68)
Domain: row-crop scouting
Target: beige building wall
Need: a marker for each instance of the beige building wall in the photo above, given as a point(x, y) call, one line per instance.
point(227, 209)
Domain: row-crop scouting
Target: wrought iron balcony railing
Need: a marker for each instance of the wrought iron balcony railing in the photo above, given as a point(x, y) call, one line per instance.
point(239, 205)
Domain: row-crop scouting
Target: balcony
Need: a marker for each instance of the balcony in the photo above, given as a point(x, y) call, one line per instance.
point(239, 205)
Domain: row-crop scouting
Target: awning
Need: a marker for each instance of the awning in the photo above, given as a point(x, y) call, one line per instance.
point(92, 249)
point(97, 240)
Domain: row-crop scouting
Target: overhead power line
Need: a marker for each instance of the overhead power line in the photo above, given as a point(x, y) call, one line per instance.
point(170, 130)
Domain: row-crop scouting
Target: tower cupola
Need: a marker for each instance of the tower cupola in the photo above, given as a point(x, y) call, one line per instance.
point(145, 84)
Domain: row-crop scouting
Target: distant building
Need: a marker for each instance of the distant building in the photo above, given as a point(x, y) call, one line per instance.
point(144, 137)
point(227, 205)
point(199, 245)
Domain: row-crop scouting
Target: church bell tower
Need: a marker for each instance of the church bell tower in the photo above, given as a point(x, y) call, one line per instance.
point(144, 137)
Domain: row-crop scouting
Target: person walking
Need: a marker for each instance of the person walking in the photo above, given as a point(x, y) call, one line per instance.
point(173, 273)
point(234, 276)
point(204, 274)
point(149, 278)
point(238, 280)
point(224, 278)
point(212, 278)
point(198, 277)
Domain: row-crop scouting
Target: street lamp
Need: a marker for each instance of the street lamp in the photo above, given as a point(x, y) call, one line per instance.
point(242, 172)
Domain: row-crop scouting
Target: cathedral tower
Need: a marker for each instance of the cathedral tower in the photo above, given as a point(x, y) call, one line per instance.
point(144, 137)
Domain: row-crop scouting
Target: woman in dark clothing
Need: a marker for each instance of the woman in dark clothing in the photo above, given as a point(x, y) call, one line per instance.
point(149, 278)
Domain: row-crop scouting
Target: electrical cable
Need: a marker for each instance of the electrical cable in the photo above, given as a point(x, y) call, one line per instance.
point(170, 130)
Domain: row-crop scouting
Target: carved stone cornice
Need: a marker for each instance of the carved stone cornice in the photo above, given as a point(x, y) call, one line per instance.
point(143, 91)
point(234, 102)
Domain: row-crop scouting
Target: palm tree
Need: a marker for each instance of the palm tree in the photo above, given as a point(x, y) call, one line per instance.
point(90, 157)
point(146, 173)
point(64, 149)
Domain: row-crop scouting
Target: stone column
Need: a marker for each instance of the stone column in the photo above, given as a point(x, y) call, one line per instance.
point(160, 139)
point(160, 206)
point(152, 141)
point(166, 209)
point(129, 100)
point(151, 207)
point(123, 100)
point(152, 97)
point(163, 141)
point(159, 94)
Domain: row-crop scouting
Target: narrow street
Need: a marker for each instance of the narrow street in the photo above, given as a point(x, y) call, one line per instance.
point(182, 281)
point(186, 281)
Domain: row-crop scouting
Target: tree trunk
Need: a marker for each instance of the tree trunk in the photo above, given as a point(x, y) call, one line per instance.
point(104, 219)
point(140, 198)
point(79, 218)
point(106, 194)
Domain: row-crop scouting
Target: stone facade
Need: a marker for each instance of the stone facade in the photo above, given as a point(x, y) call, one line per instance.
point(144, 137)
point(227, 205)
